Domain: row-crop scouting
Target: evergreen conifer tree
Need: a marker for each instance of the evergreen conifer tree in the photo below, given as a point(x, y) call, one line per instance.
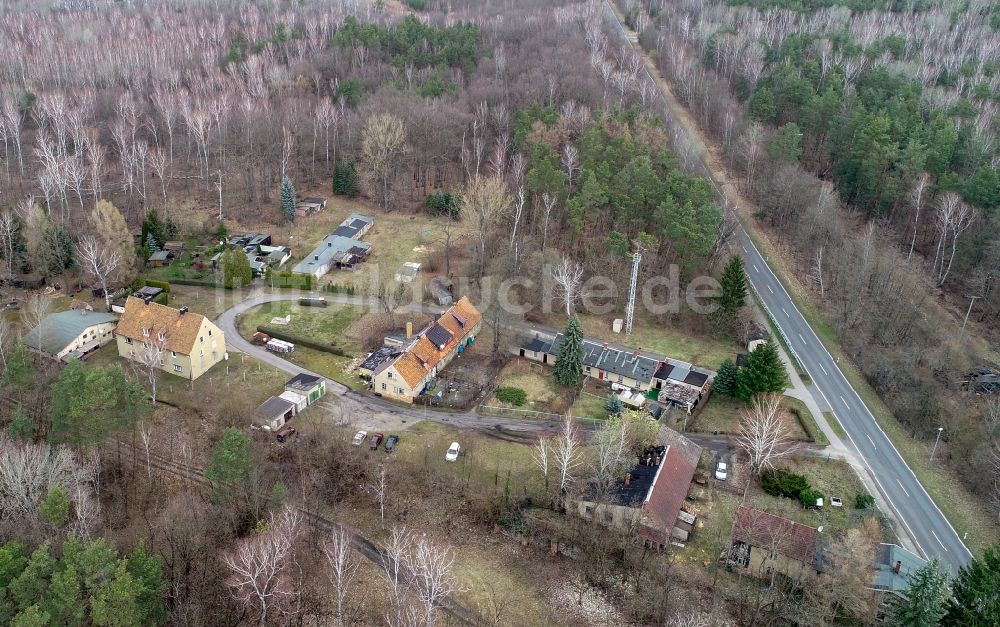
point(725, 379)
point(613, 406)
point(763, 371)
point(925, 601)
point(287, 195)
point(733, 286)
point(569, 364)
point(345, 179)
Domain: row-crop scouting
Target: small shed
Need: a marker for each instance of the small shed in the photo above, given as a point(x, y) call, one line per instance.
point(407, 272)
point(173, 246)
point(308, 385)
point(298, 400)
point(161, 258)
point(441, 292)
point(273, 413)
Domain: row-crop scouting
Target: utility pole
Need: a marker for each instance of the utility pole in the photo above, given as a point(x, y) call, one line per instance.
point(934, 450)
point(633, 283)
point(967, 312)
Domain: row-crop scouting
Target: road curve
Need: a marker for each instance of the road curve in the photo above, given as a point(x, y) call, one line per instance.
point(923, 521)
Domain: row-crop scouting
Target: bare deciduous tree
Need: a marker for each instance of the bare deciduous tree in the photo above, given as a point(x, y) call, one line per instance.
point(383, 144)
point(485, 202)
point(393, 561)
point(149, 357)
point(567, 453)
point(761, 434)
point(146, 435)
point(8, 239)
point(98, 262)
point(258, 563)
point(343, 566)
point(568, 276)
point(433, 572)
point(540, 453)
point(33, 312)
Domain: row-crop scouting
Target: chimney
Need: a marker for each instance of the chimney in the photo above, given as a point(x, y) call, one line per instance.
point(604, 346)
point(628, 478)
point(409, 330)
point(183, 310)
point(895, 568)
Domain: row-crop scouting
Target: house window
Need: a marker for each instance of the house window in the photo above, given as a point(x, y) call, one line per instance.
point(173, 354)
point(146, 331)
point(620, 378)
point(201, 339)
point(588, 369)
point(178, 368)
point(388, 375)
point(209, 333)
point(383, 386)
point(609, 516)
point(588, 510)
point(128, 340)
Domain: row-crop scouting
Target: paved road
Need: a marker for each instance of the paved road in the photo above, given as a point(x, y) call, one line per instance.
point(351, 403)
point(922, 520)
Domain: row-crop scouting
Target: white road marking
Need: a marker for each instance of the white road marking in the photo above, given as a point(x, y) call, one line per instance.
point(872, 441)
point(755, 268)
point(785, 312)
point(939, 540)
point(903, 489)
point(769, 289)
point(745, 251)
point(824, 370)
point(802, 338)
point(844, 402)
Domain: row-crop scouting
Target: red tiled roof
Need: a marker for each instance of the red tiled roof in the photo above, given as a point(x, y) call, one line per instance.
point(416, 362)
point(667, 494)
point(768, 531)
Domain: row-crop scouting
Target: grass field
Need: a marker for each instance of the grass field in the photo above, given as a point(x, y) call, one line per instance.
point(240, 381)
point(484, 460)
point(719, 415)
point(588, 405)
point(698, 349)
point(325, 325)
point(544, 394)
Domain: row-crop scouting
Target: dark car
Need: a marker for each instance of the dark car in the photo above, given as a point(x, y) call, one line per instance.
point(285, 433)
point(376, 440)
point(391, 442)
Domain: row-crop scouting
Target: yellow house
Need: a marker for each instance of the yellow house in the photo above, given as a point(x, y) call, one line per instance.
point(190, 343)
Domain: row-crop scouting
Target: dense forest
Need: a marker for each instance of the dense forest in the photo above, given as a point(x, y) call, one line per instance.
point(867, 138)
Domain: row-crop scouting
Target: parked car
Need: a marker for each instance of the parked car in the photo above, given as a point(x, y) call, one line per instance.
point(285, 433)
point(391, 443)
point(721, 471)
point(376, 440)
point(452, 454)
point(836, 501)
point(359, 437)
point(312, 301)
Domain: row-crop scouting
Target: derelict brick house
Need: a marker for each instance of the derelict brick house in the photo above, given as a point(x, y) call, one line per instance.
point(405, 376)
point(764, 543)
point(649, 500)
point(192, 342)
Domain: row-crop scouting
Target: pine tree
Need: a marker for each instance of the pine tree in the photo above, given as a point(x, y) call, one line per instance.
point(925, 601)
point(725, 379)
point(569, 363)
point(287, 194)
point(732, 294)
point(21, 426)
point(613, 406)
point(55, 507)
point(152, 226)
point(19, 372)
point(345, 179)
point(974, 599)
point(763, 371)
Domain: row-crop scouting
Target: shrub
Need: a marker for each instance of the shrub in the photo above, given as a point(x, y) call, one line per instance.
point(443, 203)
point(514, 396)
point(281, 334)
point(864, 501)
point(781, 482)
point(809, 496)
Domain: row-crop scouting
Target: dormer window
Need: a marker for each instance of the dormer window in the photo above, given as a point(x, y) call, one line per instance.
point(146, 331)
point(161, 336)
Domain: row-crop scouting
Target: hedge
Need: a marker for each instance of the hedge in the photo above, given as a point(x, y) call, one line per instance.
point(301, 341)
point(809, 496)
point(514, 396)
point(164, 285)
point(288, 280)
point(781, 482)
point(341, 289)
point(199, 283)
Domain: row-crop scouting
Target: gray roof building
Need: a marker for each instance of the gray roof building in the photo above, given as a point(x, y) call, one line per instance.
point(334, 249)
point(355, 226)
point(893, 566)
point(59, 331)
